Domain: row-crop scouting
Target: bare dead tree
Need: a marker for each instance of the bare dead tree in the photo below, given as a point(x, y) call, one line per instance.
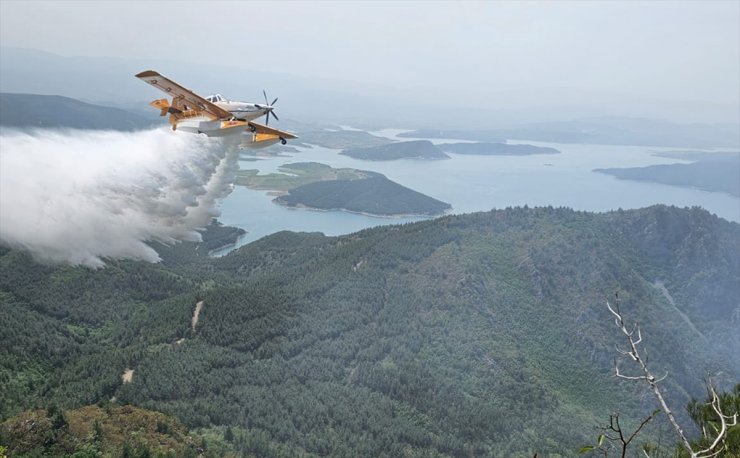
point(633, 336)
point(614, 433)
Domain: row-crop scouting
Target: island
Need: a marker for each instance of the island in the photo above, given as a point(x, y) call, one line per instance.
point(321, 187)
point(339, 139)
point(495, 149)
point(416, 149)
point(715, 174)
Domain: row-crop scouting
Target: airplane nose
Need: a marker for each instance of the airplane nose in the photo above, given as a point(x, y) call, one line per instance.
point(268, 107)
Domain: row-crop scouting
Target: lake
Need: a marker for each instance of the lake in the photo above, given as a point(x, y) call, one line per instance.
point(473, 183)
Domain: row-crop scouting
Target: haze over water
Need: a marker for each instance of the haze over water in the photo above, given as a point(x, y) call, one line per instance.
point(473, 183)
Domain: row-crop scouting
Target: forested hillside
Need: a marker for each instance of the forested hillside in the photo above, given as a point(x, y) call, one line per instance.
point(45, 111)
point(375, 195)
point(414, 149)
point(713, 174)
point(468, 335)
point(319, 186)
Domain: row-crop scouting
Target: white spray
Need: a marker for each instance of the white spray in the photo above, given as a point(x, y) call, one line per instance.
point(79, 197)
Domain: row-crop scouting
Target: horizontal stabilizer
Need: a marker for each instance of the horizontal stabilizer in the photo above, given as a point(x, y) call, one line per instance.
point(164, 107)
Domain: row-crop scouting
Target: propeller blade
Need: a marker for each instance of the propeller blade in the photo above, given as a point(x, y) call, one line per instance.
point(268, 108)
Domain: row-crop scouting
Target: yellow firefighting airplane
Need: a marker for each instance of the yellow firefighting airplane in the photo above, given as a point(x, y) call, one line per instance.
point(214, 115)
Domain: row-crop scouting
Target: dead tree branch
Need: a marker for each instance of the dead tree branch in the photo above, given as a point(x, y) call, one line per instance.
point(647, 376)
point(634, 338)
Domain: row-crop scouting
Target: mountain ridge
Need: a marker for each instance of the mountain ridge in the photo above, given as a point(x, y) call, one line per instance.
point(467, 334)
point(55, 111)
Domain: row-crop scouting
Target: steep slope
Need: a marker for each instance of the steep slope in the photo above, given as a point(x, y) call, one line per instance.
point(465, 335)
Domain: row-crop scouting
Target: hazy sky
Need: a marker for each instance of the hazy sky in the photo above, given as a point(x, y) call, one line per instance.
point(667, 50)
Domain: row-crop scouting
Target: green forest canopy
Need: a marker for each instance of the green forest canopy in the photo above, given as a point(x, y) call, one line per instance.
point(465, 335)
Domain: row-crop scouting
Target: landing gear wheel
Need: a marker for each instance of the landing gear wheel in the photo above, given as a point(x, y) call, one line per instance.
point(253, 129)
point(283, 141)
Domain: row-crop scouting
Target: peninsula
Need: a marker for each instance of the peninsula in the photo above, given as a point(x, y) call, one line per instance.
point(340, 139)
point(416, 149)
point(715, 173)
point(319, 186)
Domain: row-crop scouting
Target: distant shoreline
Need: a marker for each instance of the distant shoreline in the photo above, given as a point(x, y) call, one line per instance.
point(718, 176)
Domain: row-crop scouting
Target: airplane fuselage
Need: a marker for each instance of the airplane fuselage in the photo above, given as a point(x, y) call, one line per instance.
point(243, 110)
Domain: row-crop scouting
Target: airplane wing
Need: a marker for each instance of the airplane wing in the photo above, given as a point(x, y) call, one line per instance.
point(189, 97)
point(263, 129)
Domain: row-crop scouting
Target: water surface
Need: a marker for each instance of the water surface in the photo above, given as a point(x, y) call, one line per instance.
point(478, 183)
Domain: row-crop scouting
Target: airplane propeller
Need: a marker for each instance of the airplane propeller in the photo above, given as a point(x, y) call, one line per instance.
point(269, 107)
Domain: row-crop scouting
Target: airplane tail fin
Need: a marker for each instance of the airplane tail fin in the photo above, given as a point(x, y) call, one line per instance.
point(163, 106)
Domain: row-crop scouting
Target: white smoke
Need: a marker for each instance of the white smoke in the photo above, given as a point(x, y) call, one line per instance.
point(80, 197)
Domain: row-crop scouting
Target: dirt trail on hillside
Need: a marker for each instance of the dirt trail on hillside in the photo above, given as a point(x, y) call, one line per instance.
point(128, 374)
point(196, 313)
point(661, 287)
